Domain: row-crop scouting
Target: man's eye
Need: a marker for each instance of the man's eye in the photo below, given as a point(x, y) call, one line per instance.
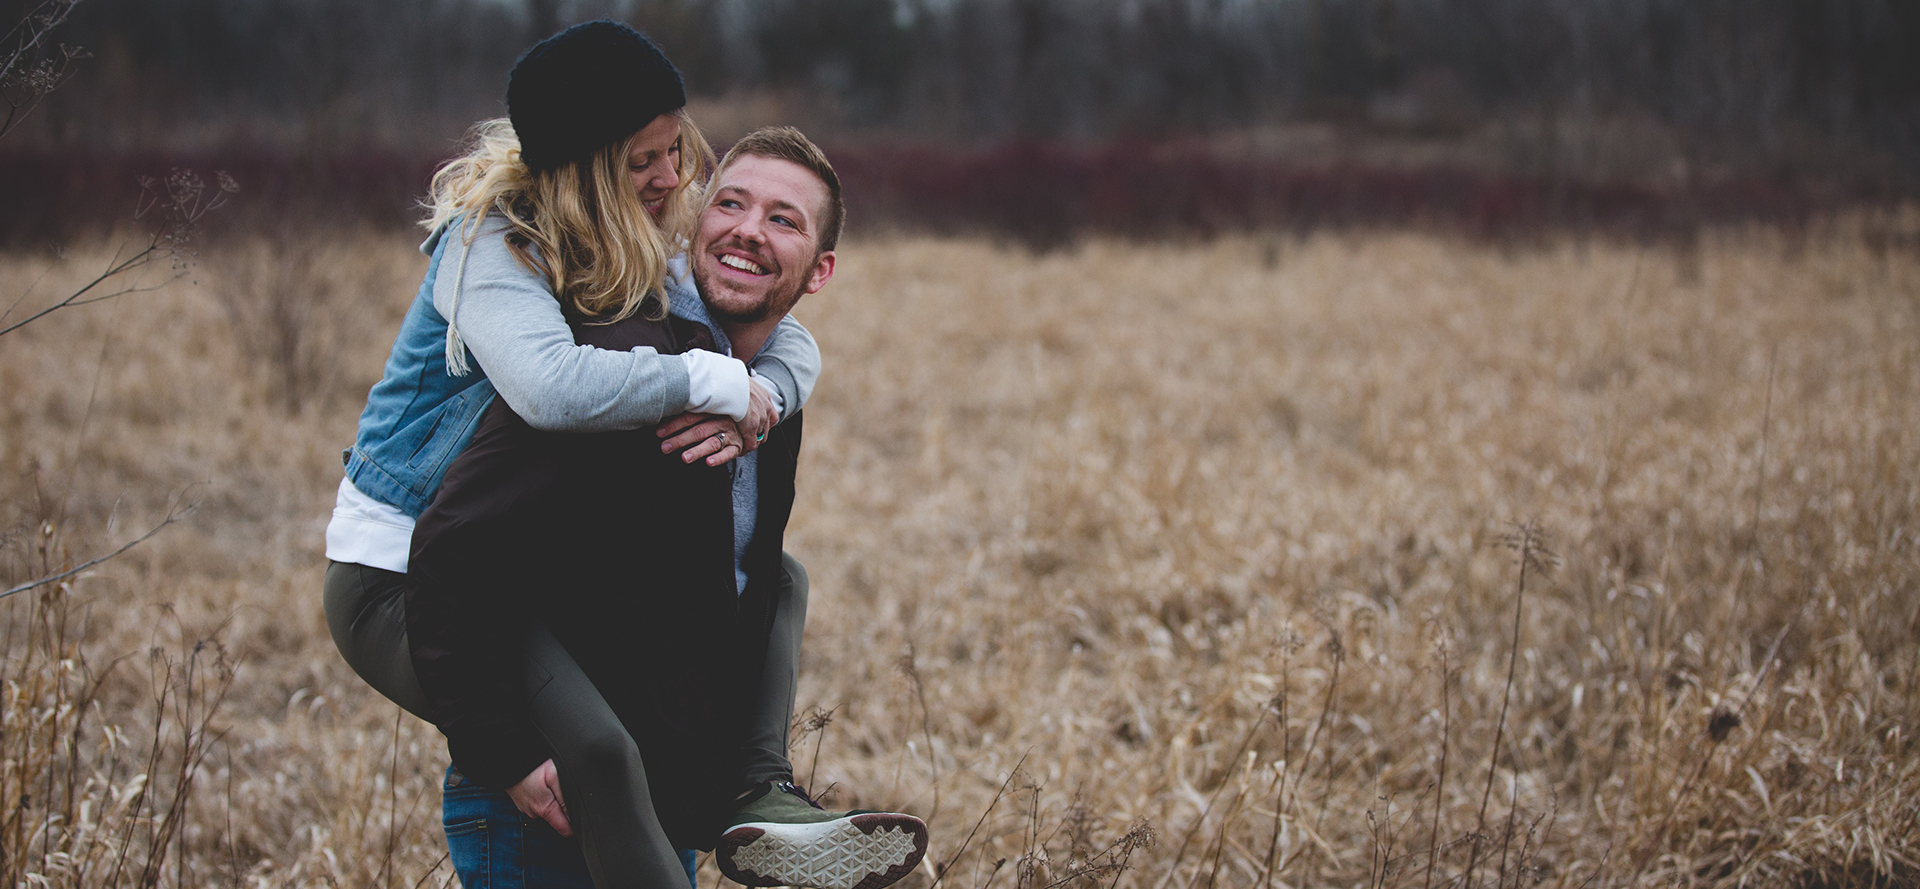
point(782, 220)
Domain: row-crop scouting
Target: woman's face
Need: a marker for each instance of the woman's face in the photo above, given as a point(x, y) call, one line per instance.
point(653, 161)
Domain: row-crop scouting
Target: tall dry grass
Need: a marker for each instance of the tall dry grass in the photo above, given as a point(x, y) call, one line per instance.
point(1134, 565)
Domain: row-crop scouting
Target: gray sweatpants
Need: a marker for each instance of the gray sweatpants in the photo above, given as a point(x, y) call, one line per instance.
point(601, 774)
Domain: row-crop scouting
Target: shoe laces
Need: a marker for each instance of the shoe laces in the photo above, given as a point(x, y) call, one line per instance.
point(796, 790)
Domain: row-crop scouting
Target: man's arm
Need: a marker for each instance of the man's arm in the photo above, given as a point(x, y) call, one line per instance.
point(790, 362)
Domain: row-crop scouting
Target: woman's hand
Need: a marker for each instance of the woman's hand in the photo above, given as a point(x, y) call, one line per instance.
point(538, 796)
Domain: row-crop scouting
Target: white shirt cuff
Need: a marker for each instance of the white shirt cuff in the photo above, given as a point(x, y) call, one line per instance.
point(365, 531)
point(716, 384)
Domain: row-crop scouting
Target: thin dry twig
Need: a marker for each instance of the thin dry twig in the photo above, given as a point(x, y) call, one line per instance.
point(1719, 725)
point(430, 871)
point(1440, 784)
point(909, 666)
point(26, 75)
point(1526, 540)
point(1180, 854)
point(1279, 784)
point(173, 515)
point(947, 868)
point(182, 200)
point(814, 723)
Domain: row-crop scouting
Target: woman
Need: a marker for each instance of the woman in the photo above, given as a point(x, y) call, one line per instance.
point(572, 206)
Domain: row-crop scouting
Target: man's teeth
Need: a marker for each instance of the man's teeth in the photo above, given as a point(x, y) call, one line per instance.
point(746, 265)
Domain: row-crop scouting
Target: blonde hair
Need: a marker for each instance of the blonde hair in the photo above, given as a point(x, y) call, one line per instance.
point(581, 225)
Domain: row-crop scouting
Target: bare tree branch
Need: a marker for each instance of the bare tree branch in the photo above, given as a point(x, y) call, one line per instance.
point(173, 515)
point(183, 199)
point(26, 76)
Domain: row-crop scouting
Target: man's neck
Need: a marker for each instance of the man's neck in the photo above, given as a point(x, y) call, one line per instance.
point(746, 338)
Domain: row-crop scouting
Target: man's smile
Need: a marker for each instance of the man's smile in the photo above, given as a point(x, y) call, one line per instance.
point(742, 264)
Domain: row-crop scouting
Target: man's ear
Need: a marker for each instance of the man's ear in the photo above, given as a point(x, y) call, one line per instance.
point(822, 271)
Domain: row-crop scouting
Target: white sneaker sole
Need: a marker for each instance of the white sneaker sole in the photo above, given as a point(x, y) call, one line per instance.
point(858, 852)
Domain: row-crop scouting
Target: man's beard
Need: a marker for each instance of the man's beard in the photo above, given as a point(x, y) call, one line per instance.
point(774, 303)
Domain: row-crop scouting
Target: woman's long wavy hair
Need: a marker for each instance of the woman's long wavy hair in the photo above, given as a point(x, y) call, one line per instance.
point(582, 225)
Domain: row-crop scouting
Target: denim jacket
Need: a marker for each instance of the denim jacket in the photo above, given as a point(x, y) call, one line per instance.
point(418, 417)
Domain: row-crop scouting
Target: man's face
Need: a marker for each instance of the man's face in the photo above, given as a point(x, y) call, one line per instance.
point(755, 253)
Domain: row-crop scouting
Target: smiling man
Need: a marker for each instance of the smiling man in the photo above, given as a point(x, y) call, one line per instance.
point(765, 240)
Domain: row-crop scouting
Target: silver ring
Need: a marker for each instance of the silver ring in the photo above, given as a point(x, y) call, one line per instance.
point(723, 439)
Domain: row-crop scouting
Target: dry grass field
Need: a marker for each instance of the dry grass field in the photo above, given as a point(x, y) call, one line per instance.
point(1357, 560)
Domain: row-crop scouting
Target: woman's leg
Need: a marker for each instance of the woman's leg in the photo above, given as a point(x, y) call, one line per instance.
point(366, 613)
point(772, 712)
point(601, 775)
point(602, 778)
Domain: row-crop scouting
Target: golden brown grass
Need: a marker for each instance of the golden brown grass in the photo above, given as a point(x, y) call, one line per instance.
point(1214, 542)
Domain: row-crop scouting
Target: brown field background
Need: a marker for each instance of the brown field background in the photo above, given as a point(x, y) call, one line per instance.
point(1197, 558)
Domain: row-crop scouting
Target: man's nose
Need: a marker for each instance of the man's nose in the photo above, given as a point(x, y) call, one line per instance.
point(751, 229)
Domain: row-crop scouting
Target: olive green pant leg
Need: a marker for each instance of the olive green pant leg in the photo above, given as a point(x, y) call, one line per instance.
point(771, 710)
point(601, 775)
point(602, 778)
point(366, 613)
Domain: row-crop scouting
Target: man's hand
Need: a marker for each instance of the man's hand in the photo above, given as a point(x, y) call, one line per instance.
point(718, 439)
point(538, 796)
point(760, 415)
point(710, 437)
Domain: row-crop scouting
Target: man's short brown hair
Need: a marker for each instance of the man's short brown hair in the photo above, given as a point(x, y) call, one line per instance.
point(789, 144)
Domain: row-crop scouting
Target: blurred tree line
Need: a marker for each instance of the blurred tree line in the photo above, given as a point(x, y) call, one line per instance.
point(1667, 91)
point(1764, 78)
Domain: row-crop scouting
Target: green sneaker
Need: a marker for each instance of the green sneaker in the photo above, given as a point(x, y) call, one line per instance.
point(781, 837)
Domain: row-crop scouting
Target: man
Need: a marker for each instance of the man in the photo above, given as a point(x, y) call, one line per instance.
point(687, 660)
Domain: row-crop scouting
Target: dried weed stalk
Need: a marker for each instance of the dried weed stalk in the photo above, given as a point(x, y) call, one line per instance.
point(100, 802)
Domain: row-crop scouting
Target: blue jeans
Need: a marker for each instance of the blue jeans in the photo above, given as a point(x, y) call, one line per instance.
point(493, 846)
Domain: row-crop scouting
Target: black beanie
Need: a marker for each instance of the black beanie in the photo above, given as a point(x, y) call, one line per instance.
point(585, 88)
